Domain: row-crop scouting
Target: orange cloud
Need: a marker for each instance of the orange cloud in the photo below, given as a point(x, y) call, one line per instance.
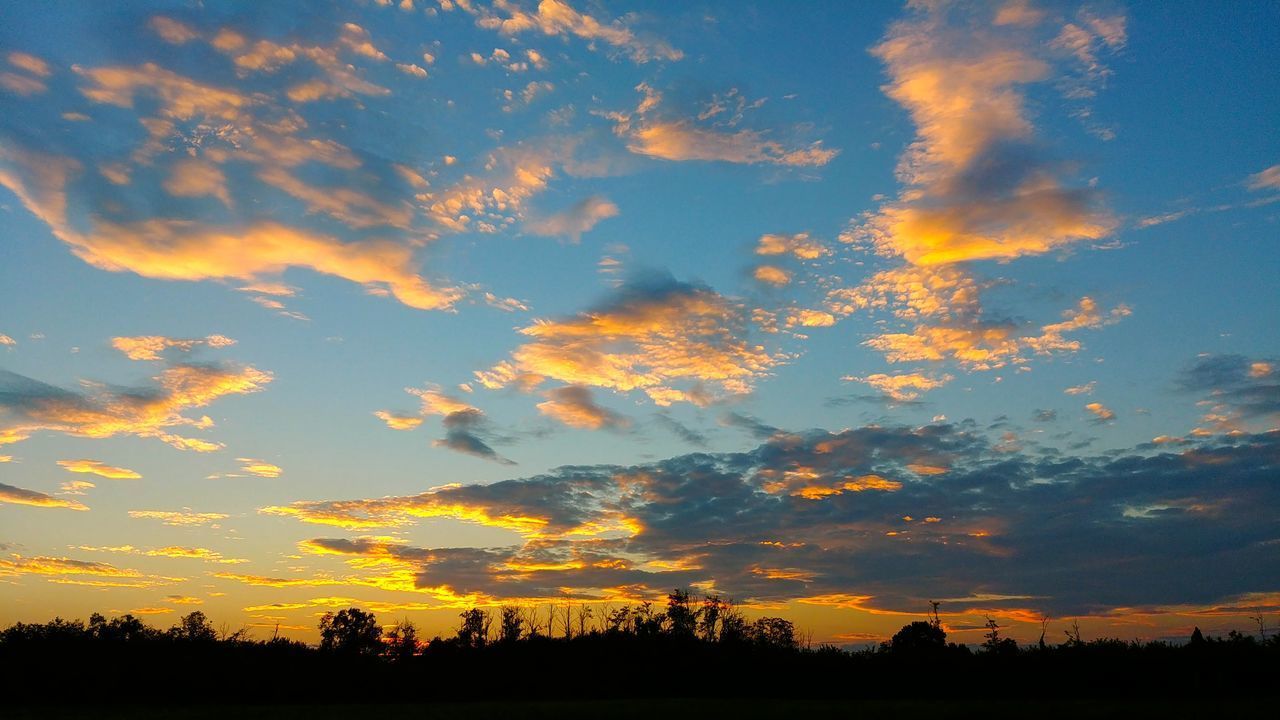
point(555, 17)
point(179, 518)
point(771, 275)
point(574, 406)
point(799, 245)
point(904, 387)
point(398, 422)
point(150, 347)
point(196, 178)
point(651, 336)
point(102, 412)
point(22, 496)
point(98, 468)
point(1101, 411)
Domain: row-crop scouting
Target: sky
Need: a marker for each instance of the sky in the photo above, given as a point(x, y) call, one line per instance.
point(833, 309)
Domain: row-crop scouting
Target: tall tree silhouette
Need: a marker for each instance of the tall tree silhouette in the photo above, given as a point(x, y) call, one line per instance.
point(350, 632)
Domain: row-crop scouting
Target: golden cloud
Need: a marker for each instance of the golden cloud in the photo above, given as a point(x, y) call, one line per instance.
point(150, 347)
point(32, 498)
point(651, 336)
point(179, 518)
point(97, 467)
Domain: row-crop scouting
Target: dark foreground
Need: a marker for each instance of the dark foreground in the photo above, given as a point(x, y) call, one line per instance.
point(703, 708)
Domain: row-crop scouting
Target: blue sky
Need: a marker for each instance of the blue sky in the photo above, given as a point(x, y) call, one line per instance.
point(266, 258)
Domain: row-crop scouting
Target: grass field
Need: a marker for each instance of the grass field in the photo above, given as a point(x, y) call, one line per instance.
point(652, 709)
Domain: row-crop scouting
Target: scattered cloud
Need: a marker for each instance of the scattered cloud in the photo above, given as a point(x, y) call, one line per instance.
point(558, 18)
point(22, 496)
point(1268, 179)
point(102, 411)
point(1101, 412)
point(180, 518)
point(575, 221)
point(574, 406)
point(96, 467)
point(153, 347)
point(652, 335)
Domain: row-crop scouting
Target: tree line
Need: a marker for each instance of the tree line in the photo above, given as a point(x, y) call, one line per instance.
point(689, 647)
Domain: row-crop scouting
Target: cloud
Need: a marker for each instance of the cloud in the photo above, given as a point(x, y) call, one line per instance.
point(180, 518)
point(653, 334)
point(152, 347)
point(184, 250)
point(655, 133)
point(196, 178)
point(1101, 412)
point(1237, 390)
point(977, 187)
point(682, 140)
point(771, 275)
point(1268, 179)
point(67, 571)
point(251, 467)
point(977, 344)
point(102, 411)
point(575, 221)
point(904, 387)
point(887, 514)
point(180, 249)
point(96, 467)
point(463, 431)
point(172, 31)
point(398, 422)
point(799, 245)
point(22, 496)
point(1085, 389)
point(30, 64)
point(574, 406)
point(171, 551)
point(555, 17)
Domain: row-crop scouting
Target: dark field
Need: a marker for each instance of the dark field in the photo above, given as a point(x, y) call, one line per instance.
point(679, 708)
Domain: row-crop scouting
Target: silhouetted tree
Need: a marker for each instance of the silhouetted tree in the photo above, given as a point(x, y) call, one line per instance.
point(774, 633)
point(620, 621)
point(918, 638)
point(647, 622)
point(350, 632)
point(194, 627)
point(709, 617)
point(733, 626)
point(512, 625)
point(681, 616)
point(473, 631)
point(402, 641)
point(996, 645)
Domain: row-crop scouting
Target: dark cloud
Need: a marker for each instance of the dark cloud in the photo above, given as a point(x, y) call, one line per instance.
point(897, 514)
point(747, 423)
point(462, 433)
point(682, 431)
point(1250, 387)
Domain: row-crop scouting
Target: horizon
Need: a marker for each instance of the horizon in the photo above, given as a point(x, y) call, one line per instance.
point(832, 310)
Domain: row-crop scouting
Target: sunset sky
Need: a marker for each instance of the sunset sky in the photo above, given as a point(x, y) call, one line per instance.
point(829, 308)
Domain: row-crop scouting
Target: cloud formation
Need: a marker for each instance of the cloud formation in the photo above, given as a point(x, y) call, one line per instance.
point(574, 406)
point(555, 17)
point(674, 341)
point(22, 496)
point(102, 411)
point(894, 515)
point(575, 221)
point(97, 467)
